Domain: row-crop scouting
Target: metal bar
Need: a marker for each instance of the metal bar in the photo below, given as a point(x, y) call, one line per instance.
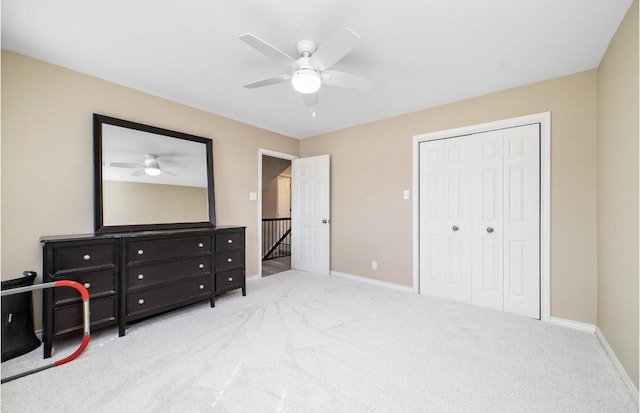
point(85, 313)
point(274, 232)
point(277, 244)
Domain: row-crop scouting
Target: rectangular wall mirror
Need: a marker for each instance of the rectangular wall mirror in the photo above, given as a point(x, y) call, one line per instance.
point(149, 178)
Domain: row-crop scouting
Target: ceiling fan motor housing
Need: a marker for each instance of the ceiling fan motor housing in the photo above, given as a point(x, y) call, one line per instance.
point(151, 161)
point(306, 47)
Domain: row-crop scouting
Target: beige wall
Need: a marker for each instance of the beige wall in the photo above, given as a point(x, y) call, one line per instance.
point(47, 157)
point(372, 164)
point(618, 158)
point(130, 203)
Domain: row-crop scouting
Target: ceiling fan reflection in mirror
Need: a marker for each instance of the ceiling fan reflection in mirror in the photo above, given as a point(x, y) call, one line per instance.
point(310, 71)
point(151, 166)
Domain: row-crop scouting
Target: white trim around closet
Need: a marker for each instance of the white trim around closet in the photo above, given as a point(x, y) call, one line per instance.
point(544, 119)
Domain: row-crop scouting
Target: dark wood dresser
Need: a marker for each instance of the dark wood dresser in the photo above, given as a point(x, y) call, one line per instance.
point(135, 275)
point(230, 260)
point(90, 261)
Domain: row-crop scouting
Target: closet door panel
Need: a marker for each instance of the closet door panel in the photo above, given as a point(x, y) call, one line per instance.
point(522, 220)
point(487, 218)
point(432, 243)
point(457, 228)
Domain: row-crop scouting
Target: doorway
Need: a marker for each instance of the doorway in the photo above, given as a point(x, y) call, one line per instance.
point(275, 248)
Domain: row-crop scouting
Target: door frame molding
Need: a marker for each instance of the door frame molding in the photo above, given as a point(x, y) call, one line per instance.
point(544, 119)
point(273, 154)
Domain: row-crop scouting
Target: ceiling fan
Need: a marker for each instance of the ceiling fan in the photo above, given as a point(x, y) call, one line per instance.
point(151, 166)
point(310, 71)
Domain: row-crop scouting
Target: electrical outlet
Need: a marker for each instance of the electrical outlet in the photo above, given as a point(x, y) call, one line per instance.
point(405, 194)
point(374, 265)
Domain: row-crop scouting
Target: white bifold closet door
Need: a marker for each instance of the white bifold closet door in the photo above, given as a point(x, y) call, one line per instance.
point(480, 219)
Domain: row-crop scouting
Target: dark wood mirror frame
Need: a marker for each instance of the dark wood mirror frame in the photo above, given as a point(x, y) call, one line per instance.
point(98, 121)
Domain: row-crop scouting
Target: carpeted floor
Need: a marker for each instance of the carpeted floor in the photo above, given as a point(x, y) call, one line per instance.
point(300, 342)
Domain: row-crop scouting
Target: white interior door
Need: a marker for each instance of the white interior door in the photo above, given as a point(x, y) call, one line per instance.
point(283, 199)
point(522, 220)
point(487, 195)
point(445, 219)
point(310, 214)
point(432, 218)
point(457, 214)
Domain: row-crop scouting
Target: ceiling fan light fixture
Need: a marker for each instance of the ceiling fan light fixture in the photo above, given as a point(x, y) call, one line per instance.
point(152, 170)
point(306, 81)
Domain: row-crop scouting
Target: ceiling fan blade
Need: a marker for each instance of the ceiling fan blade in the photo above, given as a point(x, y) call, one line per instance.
point(125, 165)
point(139, 172)
point(310, 99)
point(268, 50)
point(164, 171)
point(268, 81)
point(347, 80)
point(334, 49)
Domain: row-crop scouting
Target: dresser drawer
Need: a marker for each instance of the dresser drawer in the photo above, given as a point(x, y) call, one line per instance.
point(163, 249)
point(79, 257)
point(97, 283)
point(229, 279)
point(152, 300)
point(229, 240)
point(70, 318)
point(149, 274)
point(228, 260)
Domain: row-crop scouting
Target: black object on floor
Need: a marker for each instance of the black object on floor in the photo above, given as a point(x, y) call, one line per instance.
point(18, 336)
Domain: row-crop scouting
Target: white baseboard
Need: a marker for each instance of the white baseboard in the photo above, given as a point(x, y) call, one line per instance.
point(372, 281)
point(590, 328)
point(253, 277)
point(616, 363)
point(575, 325)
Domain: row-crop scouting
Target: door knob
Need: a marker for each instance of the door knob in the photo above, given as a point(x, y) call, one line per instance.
point(455, 228)
point(325, 221)
point(489, 230)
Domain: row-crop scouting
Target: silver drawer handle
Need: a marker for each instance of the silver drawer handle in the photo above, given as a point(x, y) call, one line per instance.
point(140, 276)
point(230, 241)
point(202, 286)
point(87, 285)
point(86, 257)
point(140, 252)
point(201, 266)
point(200, 245)
point(141, 301)
point(230, 278)
point(229, 260)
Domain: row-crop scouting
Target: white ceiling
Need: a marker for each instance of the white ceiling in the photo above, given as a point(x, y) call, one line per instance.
point(420, 53)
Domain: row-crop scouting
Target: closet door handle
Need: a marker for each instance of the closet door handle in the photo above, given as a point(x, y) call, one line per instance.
point(455, 228)
point(489, 230)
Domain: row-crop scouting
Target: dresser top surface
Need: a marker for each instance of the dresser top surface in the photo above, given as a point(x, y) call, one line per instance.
point(134, 234)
